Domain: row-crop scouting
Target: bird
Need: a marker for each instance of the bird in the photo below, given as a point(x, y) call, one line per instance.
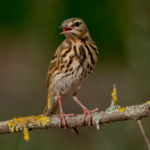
point(71, 66)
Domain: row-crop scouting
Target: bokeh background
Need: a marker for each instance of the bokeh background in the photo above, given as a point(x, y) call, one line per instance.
point(29, 36)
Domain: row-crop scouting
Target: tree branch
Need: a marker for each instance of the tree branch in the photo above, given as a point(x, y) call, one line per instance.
point(130, 113)
point(143, 132)
point(112, 114)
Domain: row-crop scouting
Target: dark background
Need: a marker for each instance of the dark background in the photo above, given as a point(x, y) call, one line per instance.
point(29, 36)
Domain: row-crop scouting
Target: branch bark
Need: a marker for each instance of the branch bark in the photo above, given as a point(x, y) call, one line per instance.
point(112, 114)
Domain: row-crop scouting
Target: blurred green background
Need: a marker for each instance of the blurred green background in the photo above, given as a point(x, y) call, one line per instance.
point(29, 36)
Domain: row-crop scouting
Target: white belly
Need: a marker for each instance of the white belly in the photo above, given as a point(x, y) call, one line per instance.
point(70, 83)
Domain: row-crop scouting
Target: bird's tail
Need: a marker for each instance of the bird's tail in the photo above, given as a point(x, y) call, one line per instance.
point(45, 110)
point(53, 107)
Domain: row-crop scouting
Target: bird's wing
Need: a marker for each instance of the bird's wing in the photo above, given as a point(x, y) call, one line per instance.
point(55, 60)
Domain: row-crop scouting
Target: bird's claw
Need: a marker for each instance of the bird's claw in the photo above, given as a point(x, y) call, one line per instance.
point(62, 117)
point(88, 112)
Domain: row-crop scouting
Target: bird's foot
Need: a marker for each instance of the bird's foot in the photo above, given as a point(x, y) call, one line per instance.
point(88, 112)
point(62, 117)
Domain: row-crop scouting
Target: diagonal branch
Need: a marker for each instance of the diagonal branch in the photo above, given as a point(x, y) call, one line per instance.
point(143, 132)
point(110, 115)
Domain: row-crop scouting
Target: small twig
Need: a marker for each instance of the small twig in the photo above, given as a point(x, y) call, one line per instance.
point(74, 129)
point(143, 132)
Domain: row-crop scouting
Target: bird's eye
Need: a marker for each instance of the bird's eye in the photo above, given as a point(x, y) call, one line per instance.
point(77, 24)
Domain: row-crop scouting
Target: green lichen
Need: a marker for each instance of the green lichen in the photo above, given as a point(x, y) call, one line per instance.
point(55, 121)
point(133, 110)
point(96, 118)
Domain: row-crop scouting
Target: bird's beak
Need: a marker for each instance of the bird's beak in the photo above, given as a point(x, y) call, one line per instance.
point(66, 29)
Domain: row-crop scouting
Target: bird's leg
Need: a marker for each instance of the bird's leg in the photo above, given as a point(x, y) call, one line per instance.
point(86, 111)
point(62, 114)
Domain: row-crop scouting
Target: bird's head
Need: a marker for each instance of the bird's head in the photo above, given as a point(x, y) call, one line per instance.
point(74, 27)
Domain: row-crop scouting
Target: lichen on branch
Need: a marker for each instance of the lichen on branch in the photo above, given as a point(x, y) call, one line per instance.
point(22, 124)
point(112, 114)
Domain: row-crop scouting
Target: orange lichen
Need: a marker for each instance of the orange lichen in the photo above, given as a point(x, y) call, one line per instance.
point(148, 102)
point(26, 134)
point(114, 95)
point(11, 125)
point(23, 123)
point(122, 109)
point(43, 120)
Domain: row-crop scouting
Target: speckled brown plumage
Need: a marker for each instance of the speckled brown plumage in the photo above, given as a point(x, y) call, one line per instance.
point(71, 66)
